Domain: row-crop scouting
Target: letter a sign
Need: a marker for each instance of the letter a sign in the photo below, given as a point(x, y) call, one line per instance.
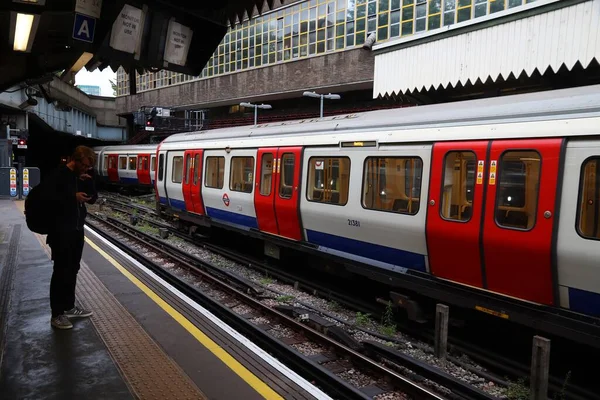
point(83, 28)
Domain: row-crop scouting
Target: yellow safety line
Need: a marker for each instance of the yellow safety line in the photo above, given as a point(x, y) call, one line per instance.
point(207, 342)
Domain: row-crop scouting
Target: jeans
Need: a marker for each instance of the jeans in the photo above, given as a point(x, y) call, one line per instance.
point(67, 248)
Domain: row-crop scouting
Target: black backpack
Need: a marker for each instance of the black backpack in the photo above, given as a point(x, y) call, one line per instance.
point(38, 213)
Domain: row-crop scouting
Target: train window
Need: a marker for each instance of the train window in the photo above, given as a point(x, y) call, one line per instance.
point(189, 165)
point(266, 174)
point(197, 174)
point(161, 166)
point(287, 176)
point(459, 185)
point(177, 175)
point(392, 184)
point(105, 162)
point(153, 163)
point(241, 174)
point(328, 180)
point(123, 162)
point(517, 193)
point(589, 199)
point(143, 163)
point(215, 172)
point(132, 163)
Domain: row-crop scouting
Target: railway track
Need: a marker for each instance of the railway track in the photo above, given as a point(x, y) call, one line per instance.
point(500, 363)
point(313, 346)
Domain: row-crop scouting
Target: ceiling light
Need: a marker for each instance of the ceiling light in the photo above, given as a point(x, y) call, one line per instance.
point(36, 2)
point(23, 29)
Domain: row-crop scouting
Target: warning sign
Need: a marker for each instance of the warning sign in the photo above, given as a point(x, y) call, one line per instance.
point(25, 181)
point(480, 166)
point(493, 172)
point(13, 182)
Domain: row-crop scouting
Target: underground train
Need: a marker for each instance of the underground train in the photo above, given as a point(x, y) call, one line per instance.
point(131, 166)
point(490, 204)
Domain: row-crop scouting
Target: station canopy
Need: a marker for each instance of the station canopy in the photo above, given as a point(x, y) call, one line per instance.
point(40, 37)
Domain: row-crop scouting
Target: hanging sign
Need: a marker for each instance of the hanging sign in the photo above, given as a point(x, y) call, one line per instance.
point(126, 31)
point(179, 38)
point(91, 8)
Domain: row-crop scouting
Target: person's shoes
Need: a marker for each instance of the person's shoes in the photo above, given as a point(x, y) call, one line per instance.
point(61, 322)
point(78, 312)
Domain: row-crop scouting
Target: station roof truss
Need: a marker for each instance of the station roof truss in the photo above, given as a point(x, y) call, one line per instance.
point(56, 40)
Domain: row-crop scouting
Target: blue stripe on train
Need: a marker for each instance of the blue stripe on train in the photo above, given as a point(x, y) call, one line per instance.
point(178, 204)
point(367, 250)
point(584, 302)
point(131, 181)
point(162, 200)
point(232, 218)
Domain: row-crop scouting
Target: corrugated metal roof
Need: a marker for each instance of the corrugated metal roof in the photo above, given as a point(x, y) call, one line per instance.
point(563, 36)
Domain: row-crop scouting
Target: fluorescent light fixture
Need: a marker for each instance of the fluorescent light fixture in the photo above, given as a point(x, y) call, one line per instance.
point(22, 30)
point(36, 2)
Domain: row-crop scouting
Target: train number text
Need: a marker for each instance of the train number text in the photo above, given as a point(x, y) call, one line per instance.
point(353, 222)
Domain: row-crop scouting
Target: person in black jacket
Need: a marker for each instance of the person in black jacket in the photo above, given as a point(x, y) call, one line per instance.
point(71, 187)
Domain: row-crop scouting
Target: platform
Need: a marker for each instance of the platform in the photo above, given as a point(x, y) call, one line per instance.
point(145, 340)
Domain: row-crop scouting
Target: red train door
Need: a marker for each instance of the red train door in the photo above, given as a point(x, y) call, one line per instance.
point(195, 187)
point(519, 218)
point(143, 170)
point(287, 200)
point(455, 207)
point(264, 193)
point(113, 163)
point(192, 181)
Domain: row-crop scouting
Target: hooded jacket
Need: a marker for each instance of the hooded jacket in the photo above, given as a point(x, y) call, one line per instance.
point(60, 192)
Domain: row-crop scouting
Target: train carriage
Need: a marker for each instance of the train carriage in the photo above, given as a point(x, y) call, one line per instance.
point(497, 198)
point(127, 166)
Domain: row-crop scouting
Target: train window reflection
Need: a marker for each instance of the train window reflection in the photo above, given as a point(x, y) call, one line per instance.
point(459, 185)
point(287, 176)
point(177, 174)
point(589, 200)
point(518, 186)
point(392, 184)
point(266, 174)
point(241, 176)
point(123, 162)
point(329, 180)
point(215, 172)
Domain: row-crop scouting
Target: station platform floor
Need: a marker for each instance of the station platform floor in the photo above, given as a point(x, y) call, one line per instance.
point(145, 340)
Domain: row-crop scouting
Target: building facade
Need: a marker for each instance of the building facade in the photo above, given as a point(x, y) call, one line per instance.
point(323, 45)
point(90, 89)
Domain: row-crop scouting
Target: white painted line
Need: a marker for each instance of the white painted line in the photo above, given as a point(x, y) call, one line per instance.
point(297, 379)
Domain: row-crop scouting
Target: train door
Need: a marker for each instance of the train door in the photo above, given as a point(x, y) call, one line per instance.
point(143, 170)
point(192, 181)
point(276, 198)
point(455, 208)
point(287, 199)
point(264, 195)
point(519, 218)
point(112, 170)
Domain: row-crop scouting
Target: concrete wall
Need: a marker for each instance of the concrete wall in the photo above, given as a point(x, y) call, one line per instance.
point(346, 70)
point(111, 133)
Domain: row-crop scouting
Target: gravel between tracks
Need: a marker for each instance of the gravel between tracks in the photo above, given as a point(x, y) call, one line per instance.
point(291, 296)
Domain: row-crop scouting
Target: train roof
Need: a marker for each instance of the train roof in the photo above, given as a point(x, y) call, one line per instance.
point(579, 102)
point(128, 147)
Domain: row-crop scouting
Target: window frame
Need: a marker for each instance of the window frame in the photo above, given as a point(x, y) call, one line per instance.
point(161, 167)
point(207, 158)
point(231, 174)
point(497, 197)
point(362, 184)
point(119, 163)
point(308, 179)
point(281, 176)
point(579, 195)
point(441, 206)
point(260, 182)
point(129, 158)
point(173, 169)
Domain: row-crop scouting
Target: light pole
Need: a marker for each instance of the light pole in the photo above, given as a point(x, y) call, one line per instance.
point(322, 96)
point(256, 107)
